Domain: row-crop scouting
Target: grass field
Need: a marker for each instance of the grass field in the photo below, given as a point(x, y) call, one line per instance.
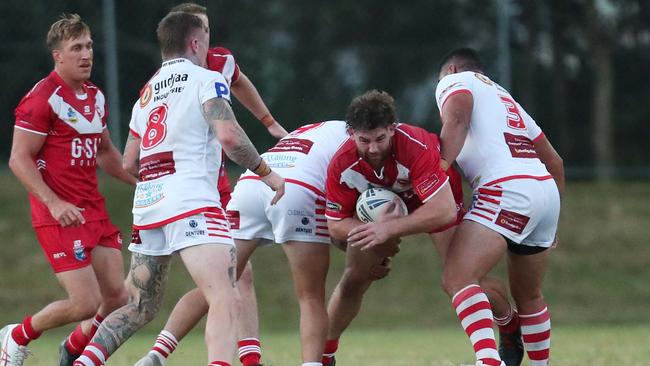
point(447, 346)
point(597, 288)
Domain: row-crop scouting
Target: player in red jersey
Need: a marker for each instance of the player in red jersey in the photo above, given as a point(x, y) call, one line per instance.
point(60, 139)
point(404, 159)
point(186, 314)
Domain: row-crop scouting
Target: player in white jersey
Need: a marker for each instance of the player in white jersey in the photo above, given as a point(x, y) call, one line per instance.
point(507, 159)
point(179, 125)
point(186, 314)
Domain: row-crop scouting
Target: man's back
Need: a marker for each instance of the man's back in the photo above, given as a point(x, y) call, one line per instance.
point(500, 139)
point(180, 156)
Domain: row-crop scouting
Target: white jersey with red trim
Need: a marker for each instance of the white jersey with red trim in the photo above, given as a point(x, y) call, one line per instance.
point(180, 156)
point(303, 155)
point(499, 143)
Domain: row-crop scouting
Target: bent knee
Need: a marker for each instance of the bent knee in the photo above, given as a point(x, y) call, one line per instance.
point(86, 308)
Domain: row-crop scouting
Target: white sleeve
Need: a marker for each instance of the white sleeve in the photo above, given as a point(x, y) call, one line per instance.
point(533, 130)
point(215, 86)
point(450, 85)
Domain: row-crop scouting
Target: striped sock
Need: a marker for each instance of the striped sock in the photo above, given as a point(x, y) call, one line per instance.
point(536, 331)
point(93, 355)
point(509, 323)
point(97, 321)
point(330, 349)
point(218, 363)
point(250, 351)
point(24, 333)
point(475, 314)
point(165, 344)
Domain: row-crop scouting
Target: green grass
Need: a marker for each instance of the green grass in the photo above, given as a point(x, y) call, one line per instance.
point(596, 286)
point(446, 346)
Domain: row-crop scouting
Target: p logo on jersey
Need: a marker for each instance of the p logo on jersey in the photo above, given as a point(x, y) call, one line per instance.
point(222, 90)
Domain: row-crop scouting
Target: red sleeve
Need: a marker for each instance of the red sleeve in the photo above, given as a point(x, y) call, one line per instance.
point(218, 58)
point(341, 199)
point(34, 114)
point(424, 167)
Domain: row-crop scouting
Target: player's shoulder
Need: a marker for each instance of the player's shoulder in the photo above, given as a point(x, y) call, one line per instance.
point(44, 88)
point(411, 137)
point(219, 51)
point(345, 156)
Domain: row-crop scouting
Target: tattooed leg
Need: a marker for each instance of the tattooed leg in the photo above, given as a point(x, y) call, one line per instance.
point(146, 282)
point(212, 267)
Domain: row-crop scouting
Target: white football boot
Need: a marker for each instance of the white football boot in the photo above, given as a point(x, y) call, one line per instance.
point(11, 353)
point(149, 360)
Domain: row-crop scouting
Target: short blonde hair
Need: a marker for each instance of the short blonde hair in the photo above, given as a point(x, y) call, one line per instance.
point(69, 26)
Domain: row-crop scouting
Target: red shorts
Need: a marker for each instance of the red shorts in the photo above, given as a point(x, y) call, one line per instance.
point(69, 248)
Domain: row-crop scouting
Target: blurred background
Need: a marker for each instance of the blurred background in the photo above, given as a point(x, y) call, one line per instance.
point(581, 68)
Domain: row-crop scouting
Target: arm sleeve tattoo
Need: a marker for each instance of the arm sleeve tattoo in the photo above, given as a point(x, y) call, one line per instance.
point(220, 117)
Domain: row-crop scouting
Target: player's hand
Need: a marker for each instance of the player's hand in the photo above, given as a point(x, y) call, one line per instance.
point(368, 235)
point(66, 213)
point(389, 212)
point(381, 270)
point(276, 183)
point(276, 130)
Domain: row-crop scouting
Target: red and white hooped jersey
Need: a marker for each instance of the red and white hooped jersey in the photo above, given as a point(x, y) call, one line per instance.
point(221, 60)
point(180, 157)
point(412, 171)
point(499, 143)
point(72, 125)
point(302, 156)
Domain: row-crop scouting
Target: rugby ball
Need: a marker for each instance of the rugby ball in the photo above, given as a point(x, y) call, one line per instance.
point(372, 202)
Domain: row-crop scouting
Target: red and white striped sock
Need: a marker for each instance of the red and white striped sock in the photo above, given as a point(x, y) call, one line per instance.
point(475, 314)
point(509, 323)
point(93, 355)
point(165, 344)
point(250, 351)
point(77, 340)
point(24, 333)
point(218, 363)
point(331, 345)
point(536, 332)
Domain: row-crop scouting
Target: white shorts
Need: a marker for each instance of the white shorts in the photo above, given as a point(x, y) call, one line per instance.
point(298, 216)
point(202, 228)
point(525, 211)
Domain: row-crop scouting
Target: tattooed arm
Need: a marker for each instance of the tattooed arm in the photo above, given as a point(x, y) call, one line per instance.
point(146, 282)
point(237, 145)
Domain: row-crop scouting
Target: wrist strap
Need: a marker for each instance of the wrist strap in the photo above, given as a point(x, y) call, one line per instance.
point(267, 120)
point(262, 169)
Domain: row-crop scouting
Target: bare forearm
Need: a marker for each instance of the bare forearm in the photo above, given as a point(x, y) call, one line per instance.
point(25, 170)
point(110, 160)
point(247, 94)
point(339, 229)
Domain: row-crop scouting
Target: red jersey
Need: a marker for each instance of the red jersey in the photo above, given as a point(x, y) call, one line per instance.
point(412, 171)
point(73, 126)
point(221, 60)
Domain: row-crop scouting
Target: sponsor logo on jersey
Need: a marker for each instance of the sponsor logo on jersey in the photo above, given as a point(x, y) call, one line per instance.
point(58, 255)
point(520, 146)
point(193, 224)
point(169, 82)
point(293, 145)
point(145, 95)
point(79, 250)
point(194, 233)
point(221, 89)
point(148, 194)
point(424, 188)
point(233, 219)
point(483, 78)
point(87, 109)
point(333, 206)
point(305, 221)
point(304, 230)
point(72, 115)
